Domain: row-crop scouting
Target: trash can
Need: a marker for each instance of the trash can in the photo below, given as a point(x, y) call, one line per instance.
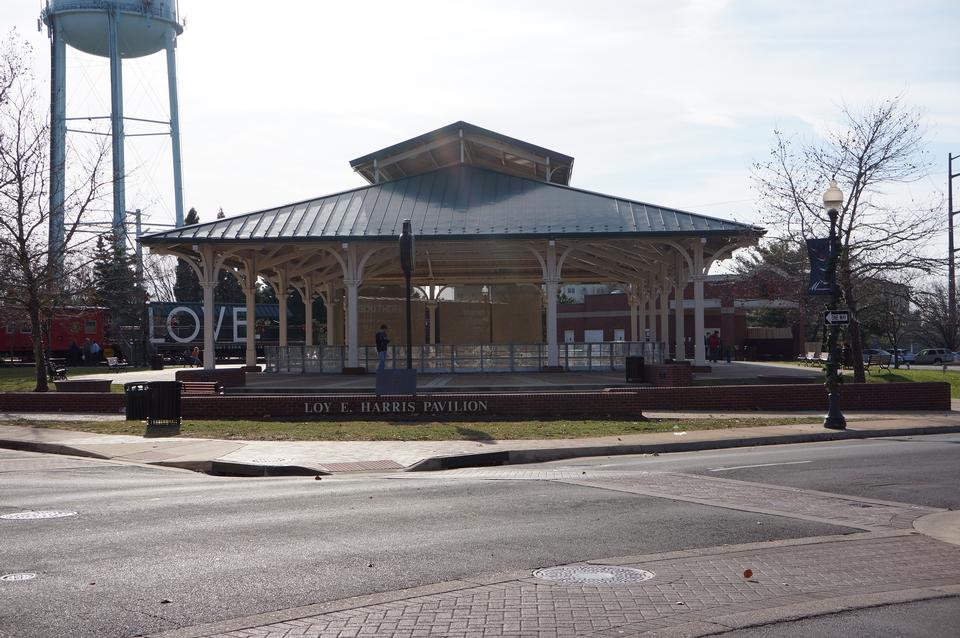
point(163, 408)
point(136, 400)
point(156, 361)
point(634, 369)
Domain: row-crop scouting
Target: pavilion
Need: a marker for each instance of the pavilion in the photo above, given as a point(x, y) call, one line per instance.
point(485, 209)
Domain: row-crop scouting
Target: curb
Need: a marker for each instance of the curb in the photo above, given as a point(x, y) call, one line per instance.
point(49, 448)
point(504, 457)
point(543, 455)
point(214, 467)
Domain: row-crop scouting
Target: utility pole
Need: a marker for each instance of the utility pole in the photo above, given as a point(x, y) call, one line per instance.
point(138, 247)
point(951, 251)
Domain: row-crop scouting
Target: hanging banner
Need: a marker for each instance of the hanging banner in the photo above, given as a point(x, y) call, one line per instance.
point(819, 253)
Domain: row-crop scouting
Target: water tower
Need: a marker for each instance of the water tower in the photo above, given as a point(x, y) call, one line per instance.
point(114, 29)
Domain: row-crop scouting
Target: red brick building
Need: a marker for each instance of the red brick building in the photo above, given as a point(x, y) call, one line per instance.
point(728, 302)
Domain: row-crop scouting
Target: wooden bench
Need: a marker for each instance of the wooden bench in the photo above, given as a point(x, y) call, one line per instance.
point(114, 364)
point(201, 388)
point(881, 361)
point(56, 372)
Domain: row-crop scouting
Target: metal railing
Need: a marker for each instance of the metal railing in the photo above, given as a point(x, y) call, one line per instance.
point(580, 357)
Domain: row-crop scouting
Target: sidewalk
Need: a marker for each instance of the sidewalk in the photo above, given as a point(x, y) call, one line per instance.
point(272, 458)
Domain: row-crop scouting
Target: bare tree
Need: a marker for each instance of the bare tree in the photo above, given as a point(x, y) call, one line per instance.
point(885, 310)
point(875, 149)
point(935, 322)
point(34, 282)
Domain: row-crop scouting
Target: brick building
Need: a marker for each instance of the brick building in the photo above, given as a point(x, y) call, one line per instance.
point(728, 304)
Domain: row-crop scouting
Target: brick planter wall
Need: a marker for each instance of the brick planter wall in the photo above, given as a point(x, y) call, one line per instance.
point(227, 377)
point(83, 385)
point(668, 374)
point(625, 403)
point(83, 402)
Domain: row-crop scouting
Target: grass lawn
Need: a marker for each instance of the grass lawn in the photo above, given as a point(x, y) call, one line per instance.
point(400, 431)
point(23, 378)
point(950, 376)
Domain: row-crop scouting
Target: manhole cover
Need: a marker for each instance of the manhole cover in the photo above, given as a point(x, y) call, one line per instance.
point(9, 577)
point(27, 516)
point(593, 574)
point(269, 460)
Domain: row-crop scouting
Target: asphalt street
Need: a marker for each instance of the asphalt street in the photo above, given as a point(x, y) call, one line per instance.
point(921, 619)
point(922, 470)
point(152, 549)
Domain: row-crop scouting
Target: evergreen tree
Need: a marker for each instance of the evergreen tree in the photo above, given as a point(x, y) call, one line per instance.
point(228, 289)
point(187, 284)
point(115, 282)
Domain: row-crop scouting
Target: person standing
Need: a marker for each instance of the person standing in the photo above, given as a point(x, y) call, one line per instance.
point(195, 357)
point(85, 351)
point(382, 341)
point(95, 351)
point(713, 344)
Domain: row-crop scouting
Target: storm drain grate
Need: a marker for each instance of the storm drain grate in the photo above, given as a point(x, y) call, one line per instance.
point(29, 516)
point(593, 575)
point(15, 577)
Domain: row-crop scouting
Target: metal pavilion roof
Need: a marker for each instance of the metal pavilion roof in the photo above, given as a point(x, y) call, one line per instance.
point(464, 143)
point(457, 202)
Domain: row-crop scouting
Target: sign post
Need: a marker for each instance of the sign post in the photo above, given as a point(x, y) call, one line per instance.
point(403, 380)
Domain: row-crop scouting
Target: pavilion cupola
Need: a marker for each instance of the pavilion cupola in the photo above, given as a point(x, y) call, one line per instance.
point(464, 143)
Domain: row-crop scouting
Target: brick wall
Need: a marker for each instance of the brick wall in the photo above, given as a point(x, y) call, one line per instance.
point(228, 377)
point(83, 402)
point(625, 403)
point(671, 375)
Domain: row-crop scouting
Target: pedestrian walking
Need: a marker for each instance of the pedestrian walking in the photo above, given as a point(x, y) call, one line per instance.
point(95, 351)
point(382, 341)
point(195, 356)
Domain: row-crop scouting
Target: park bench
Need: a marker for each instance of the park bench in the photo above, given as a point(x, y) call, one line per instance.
point(114, 364)
point(56, 372)
point(806, 359)
point(201, 388)
point(881, 361)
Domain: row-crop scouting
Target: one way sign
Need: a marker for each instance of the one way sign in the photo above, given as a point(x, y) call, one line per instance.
point(836, 317)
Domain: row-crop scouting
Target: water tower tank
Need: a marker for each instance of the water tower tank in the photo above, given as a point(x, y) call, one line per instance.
point(115, 29)
point(142, 25)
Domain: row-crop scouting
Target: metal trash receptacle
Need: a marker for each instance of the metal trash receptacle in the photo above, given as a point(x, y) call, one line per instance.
point(163, 408)
point(634, 366)
point(135, 395)
point(156, 361)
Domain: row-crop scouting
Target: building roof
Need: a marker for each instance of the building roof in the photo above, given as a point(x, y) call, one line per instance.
point(457, 202)
point(464, 143)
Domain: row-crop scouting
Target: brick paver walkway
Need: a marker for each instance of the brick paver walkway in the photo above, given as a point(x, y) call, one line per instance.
point(693, 592)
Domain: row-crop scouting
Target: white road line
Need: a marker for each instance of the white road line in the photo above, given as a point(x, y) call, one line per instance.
point(743, 467)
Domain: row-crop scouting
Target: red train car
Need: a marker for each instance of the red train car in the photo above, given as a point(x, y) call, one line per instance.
point(70, 324)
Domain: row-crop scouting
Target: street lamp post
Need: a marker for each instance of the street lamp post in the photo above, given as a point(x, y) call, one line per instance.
point(406, 263)
point(834, 420)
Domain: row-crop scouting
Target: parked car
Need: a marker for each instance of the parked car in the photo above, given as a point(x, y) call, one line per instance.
point(936, 356)
point(875, 352)
point(905, 356)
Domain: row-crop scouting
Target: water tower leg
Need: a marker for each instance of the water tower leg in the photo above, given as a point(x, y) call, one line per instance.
point(116, 121)
point(58, 141)
point(175, 125)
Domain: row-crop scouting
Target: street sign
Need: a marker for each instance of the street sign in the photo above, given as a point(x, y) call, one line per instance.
point(836, 317)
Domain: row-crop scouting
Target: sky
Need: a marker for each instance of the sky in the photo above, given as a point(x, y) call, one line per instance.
point(663, 102)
